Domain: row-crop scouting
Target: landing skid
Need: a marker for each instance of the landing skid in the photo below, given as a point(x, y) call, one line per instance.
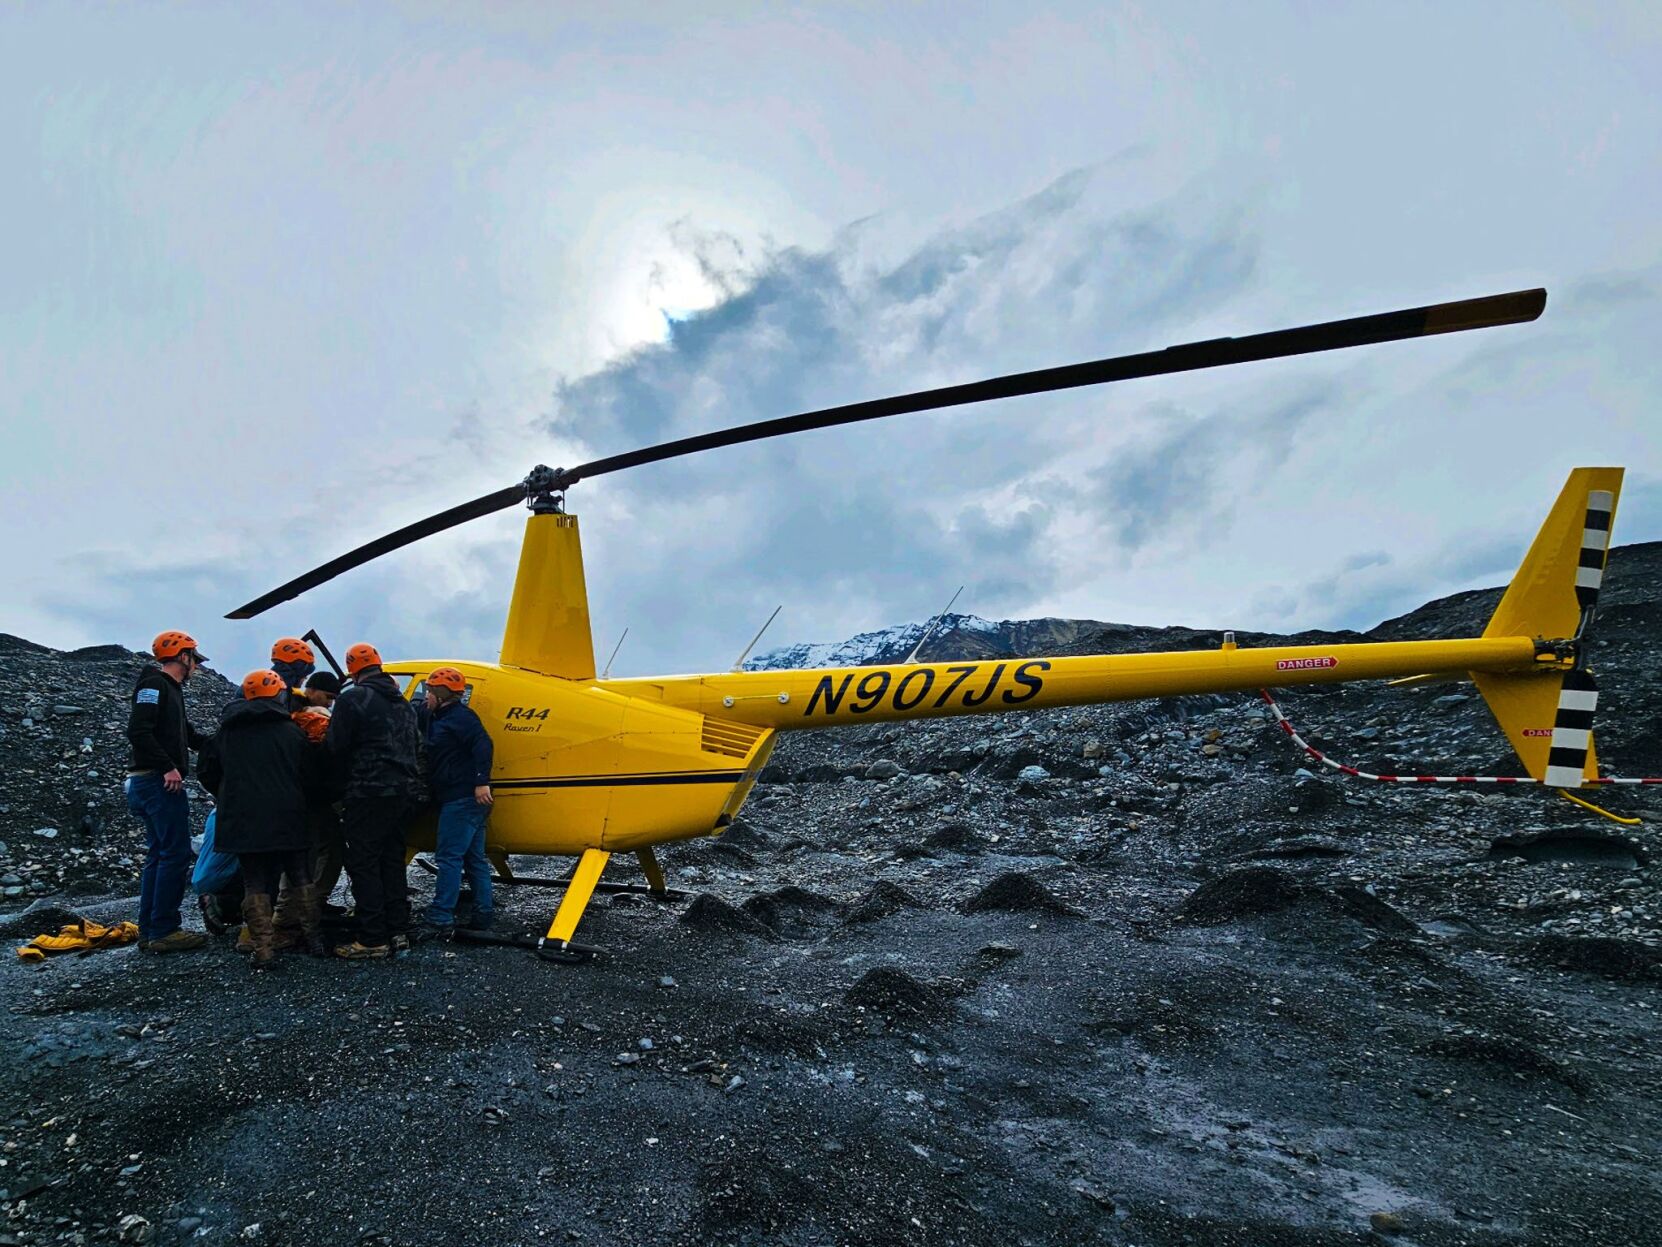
point(558, 946)
point(546, 950)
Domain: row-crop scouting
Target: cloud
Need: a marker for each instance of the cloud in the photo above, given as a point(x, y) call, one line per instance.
point(1055, 277)
point(118, 602)
point(1172, 484)
point(853, 527)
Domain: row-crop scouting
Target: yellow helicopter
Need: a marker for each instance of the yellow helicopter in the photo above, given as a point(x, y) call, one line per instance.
point(590, 766)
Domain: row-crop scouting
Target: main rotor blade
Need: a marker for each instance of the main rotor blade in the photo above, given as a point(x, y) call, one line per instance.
point(498, 501)
point(1333, 335)
point(1415, 322)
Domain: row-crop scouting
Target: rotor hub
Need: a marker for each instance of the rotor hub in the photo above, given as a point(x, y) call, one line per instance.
point(545, 490)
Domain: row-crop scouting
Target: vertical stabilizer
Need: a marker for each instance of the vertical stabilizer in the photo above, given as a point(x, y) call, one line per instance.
point(1558, 582)
point(1548, 717)
point(548, 619)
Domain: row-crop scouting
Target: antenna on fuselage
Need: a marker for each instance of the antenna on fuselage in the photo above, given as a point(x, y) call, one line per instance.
point(930, 630)
point(615, 649)
point(738, 663)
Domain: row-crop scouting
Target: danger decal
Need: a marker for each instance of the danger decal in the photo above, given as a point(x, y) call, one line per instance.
point(1537, 731)
point(1305, 664)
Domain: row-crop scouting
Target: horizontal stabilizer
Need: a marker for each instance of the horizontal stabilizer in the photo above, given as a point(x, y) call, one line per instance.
point(1430, 679)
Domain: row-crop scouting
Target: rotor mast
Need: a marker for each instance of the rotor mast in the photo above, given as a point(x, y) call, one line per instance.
point(548, 618)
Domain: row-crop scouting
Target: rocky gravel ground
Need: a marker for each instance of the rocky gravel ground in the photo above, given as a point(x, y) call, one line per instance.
point(1124, 975)
point(64, 825)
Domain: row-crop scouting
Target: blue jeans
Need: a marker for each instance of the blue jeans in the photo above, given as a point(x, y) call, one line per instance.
point(166, 819)
point(461, 847)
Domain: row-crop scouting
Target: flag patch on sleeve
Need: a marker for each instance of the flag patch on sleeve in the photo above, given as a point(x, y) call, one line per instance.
point(148, 697)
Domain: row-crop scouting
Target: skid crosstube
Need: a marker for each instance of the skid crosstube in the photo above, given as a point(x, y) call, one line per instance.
point(542, 881)
point(583, 883)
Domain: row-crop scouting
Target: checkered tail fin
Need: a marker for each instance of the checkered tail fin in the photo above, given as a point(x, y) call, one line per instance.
point(1548, 715)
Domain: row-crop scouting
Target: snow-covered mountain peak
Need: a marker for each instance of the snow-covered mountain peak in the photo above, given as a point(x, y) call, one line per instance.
point(869, 649)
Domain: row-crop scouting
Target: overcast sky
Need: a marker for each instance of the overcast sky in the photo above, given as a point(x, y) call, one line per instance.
point(277, 282)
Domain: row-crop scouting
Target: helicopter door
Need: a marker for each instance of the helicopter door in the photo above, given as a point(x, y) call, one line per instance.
point(312, 638)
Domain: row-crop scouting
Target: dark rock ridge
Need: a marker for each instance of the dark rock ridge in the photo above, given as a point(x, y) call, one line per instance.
point(63, 757)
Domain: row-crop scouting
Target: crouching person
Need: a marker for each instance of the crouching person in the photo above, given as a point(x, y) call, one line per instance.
point(459, 775)
point(264, 779)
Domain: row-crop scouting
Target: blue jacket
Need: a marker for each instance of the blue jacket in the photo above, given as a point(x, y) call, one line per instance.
point(458, 753)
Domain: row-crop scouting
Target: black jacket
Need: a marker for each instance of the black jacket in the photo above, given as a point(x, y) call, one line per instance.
point(458, 753)
point(262, 773)
point(162, 737)
point(373, 740)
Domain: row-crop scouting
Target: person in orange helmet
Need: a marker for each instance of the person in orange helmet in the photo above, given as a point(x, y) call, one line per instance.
point(293, 660)
point(162, 737)
point(459, 776)
point(322, 688)
point(264, 776)
point(373, 742)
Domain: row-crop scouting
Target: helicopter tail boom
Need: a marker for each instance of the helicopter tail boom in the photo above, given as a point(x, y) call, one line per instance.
point(1527, 663)
point(799, 700)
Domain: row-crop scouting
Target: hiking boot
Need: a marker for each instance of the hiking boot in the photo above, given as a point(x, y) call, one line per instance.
point(362, 952)
point(400, 943)
point(256, 919)
point(433, 933)
point(308, 908)
point(481, 921)
point(245, 941)
point(210, 915)
point(181, 941)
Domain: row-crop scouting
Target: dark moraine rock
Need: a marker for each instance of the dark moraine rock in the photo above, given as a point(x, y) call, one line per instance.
point(1018, 892)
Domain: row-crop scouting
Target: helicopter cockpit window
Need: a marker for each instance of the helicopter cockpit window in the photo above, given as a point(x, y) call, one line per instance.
point(404, 682)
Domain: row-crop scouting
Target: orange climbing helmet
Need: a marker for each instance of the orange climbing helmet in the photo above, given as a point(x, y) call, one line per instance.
point(448, 677)
point(172, 644)
point(292, 649)
point(258, 684)
point(362, 656)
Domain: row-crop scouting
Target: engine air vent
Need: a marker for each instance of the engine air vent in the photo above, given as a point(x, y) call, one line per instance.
point(733, 739)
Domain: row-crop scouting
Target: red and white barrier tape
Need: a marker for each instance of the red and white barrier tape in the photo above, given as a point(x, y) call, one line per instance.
point(1356, 773)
